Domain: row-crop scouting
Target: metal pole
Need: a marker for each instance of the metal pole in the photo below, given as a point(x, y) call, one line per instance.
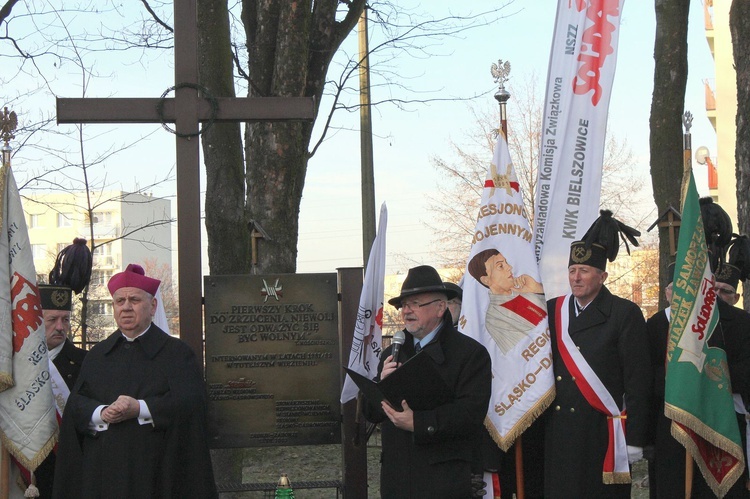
point(8, 127)
point(365, 138)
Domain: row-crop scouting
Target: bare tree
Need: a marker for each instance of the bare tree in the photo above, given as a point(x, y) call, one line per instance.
point(70, 170)
point(462, 179)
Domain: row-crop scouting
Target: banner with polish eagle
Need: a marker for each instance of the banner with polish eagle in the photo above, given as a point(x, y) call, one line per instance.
point(503, 305)
point(28, 424)
point(579, 85)
point(368, 331)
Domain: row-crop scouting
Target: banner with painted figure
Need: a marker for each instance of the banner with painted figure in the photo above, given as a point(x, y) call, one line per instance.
point(698, 395)
point(368, 331)
point(579, 86)
point(504, 307)
point(28, 426)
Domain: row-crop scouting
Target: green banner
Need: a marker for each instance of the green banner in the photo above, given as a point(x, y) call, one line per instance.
point(698, 393)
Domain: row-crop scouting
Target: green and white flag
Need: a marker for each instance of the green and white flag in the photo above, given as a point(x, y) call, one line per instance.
point(698, 393)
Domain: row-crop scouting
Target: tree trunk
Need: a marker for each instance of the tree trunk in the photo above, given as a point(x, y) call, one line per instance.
point(739, 25)
point(226, 221)
point(670, 78)
point(290, 46)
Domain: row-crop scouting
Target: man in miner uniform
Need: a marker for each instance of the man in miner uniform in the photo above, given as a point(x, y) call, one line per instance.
point(602, 376)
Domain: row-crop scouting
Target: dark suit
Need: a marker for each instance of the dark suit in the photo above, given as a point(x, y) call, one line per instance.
point(435, 460)
point(68, 363)
point(610, 333)
point(667, 469)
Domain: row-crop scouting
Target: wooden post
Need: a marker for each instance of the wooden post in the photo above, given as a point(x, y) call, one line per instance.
point(353, 438)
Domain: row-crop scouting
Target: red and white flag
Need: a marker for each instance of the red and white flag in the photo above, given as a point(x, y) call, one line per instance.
point(28, 425)
point(579, 86)
point(368, 331)
point(504, 306)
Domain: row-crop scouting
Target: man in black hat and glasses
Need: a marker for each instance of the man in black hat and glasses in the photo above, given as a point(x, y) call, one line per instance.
point(428, 453)
point(602, 376)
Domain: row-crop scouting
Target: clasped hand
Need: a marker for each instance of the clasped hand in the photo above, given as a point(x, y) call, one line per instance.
point(120, 410)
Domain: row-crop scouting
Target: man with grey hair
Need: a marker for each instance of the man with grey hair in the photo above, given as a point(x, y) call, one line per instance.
point(429, 452)
point(135, 423)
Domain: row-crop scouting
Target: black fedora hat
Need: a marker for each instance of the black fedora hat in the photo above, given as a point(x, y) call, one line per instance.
point(422, 279)
point(451, 286)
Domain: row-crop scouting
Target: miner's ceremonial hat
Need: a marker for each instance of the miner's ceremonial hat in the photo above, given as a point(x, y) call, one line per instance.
point(602, 242)
point(56, 297)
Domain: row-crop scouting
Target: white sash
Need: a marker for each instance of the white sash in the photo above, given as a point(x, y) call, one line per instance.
point(60, 391)
point(616, 468)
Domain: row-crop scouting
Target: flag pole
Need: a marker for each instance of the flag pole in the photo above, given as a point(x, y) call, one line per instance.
point(9, 122)
point(501, 72)
point(687, 154)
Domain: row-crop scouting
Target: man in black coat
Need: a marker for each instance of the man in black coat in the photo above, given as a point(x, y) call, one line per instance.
point(66, 358)
point(667, 468)
point(429, 453)
point(602, 380)
point(135, 423)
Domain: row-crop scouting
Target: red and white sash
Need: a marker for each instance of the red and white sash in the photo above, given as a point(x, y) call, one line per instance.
point(616, 468)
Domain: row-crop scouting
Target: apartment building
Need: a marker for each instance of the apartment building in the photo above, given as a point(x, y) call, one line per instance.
point(721, 106)
point(125, 228)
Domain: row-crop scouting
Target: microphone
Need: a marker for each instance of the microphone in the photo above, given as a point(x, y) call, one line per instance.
point(398, 339)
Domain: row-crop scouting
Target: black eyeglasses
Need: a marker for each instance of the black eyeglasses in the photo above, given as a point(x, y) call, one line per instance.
point(413, 305)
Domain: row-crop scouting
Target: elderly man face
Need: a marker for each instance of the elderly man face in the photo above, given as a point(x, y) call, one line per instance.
point(56, 327)
point(134, 309)
point(727, 292)
point(585, 282)
point(422, 313)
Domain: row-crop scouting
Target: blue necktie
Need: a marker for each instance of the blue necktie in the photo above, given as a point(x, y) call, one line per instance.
point(418, 347)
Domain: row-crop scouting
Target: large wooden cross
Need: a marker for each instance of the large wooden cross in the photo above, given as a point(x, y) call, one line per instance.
point(187, 109)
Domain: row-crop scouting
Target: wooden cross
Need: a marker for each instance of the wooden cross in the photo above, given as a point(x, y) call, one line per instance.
point(186, 110)
point(671, 220)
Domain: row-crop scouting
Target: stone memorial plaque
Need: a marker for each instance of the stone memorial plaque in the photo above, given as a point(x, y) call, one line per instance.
point(272, 360)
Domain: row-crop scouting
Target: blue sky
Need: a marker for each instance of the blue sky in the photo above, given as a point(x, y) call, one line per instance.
point(404, 142)
point(330, 220)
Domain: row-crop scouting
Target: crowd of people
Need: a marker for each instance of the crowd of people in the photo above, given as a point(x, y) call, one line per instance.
point(609, 371)
point(134, 420)
point(134, 407)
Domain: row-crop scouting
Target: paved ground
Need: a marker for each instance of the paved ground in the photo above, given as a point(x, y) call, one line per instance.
point(323, 462)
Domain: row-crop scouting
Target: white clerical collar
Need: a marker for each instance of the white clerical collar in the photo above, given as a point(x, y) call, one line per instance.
point(56, 351)
point(135, 337)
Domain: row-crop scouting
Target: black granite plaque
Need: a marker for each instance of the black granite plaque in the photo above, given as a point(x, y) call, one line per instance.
point(272, 359)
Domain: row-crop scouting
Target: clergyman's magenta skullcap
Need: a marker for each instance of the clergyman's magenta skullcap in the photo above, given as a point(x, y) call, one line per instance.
point(133, 277)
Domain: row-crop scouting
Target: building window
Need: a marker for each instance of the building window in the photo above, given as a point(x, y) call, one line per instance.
point(63, 220)
point(101, 277)
point(101, 308)
point(60, 247)
point(103, 217)
point(33, 221)
point(39, 251)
